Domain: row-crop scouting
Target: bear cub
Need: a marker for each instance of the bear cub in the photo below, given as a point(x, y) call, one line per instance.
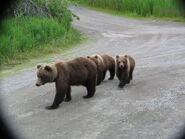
point(124, 69)
point(79, 71)
point(100, 66)
point(104, 63)
point(109, 65)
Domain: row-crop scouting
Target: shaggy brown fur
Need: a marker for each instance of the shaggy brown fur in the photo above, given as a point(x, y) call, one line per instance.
point(99, 63)
point(124, 69)
point(79, 71)
point(109, 64)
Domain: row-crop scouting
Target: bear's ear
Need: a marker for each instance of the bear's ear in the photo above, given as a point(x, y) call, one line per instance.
point(88, 56)
point(38, 66)
point(117, 57)
point(96, 57)
point(48, 68)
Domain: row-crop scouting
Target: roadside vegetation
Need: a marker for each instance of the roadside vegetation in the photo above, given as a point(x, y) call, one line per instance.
point(140, 8)
point(36, 29)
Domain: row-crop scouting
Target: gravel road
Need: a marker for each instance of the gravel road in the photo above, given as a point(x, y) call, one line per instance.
point(151, 106)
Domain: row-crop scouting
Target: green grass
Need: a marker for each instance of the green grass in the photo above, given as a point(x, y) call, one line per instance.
point(142, 8)
point(33, 37)
point(26, 37)
point(134, 15)
point(49, 55)
point(43, 50)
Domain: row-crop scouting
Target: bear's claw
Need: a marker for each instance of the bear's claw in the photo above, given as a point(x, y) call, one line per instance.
point(52, 107)
point(67, 99)
point(110, 78)
point(121, 85)
point(87, 96)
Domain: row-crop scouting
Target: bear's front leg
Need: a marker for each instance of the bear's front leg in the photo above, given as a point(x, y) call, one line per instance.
point(104, 74)
point(123, 80)
point(68, 95)
point(59, 97)
point(127, 78)
point(100, 76)
point(128, 81)
point(121, 84)
point(112, 73)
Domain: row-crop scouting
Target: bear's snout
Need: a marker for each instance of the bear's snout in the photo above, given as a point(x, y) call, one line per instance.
point(121, 66)
point(39, 82)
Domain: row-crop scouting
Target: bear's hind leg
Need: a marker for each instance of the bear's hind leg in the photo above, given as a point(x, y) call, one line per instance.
point(91, 88)
point(68, 95)
point(104, 73)
point(131, 74)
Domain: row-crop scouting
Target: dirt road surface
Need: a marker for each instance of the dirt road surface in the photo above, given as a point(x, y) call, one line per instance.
point(151, 106)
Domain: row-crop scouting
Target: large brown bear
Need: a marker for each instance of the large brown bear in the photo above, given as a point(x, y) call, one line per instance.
point(79, 71)
point(124, 69)
point(100, 67)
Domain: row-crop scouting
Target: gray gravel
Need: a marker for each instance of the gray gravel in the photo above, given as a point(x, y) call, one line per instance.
point(151, 106)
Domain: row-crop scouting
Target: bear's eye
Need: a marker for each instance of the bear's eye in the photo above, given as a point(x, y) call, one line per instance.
point(42, 77)
point(45, 78)
point(39, 76)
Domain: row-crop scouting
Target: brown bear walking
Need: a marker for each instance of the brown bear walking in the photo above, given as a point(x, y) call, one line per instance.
point(104, 62)
point(109, 64)
point(79, 71)
point(100, 67)
point(124, 69)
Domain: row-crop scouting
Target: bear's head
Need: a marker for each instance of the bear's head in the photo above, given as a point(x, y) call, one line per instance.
point(121, 62)
point(45, 74)
point(96, 58)
point(93, 58)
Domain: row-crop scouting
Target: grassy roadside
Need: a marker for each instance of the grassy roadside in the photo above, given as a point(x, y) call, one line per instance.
point(21, 37)
point(132, 15)
point(43, 29)
point(50, 54)
point(26, 38)
point(57, 44)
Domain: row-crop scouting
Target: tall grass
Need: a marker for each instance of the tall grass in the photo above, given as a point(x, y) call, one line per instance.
point(23, 35)
point(158, 8)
